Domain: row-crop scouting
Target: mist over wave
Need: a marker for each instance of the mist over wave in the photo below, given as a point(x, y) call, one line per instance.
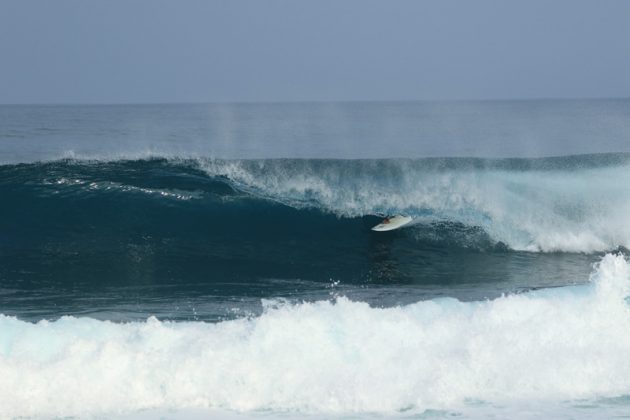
point(339, 357)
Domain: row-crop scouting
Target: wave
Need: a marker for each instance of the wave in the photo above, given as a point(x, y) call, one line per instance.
point(332, 357)
point(564, 204)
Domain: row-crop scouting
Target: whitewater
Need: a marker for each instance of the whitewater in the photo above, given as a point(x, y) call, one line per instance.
point(563, 347)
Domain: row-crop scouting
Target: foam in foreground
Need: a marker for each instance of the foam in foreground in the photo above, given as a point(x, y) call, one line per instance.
point(331, 357)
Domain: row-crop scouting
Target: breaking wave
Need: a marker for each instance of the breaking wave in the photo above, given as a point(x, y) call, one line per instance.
point(566, 204)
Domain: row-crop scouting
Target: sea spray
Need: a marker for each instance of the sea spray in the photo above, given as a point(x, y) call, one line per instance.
point(570, 204)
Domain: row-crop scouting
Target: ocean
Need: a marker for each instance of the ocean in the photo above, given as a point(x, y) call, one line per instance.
point(217, 260)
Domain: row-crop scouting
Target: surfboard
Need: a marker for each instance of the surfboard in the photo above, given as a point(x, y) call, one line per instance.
point(392, 223)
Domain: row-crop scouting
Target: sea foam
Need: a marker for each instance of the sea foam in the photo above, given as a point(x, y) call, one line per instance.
point(331, 357)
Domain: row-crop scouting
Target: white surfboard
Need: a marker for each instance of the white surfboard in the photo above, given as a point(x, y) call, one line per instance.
point(391, 223)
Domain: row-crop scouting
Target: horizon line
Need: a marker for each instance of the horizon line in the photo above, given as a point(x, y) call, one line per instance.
point(317, 101)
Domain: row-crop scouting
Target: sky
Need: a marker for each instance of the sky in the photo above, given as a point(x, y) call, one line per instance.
point(157, 51)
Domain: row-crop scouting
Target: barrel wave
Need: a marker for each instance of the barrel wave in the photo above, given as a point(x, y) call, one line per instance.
point(94, 237)
point(565, 204)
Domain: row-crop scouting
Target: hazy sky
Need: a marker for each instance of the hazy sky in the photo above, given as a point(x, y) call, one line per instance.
point(113, 51)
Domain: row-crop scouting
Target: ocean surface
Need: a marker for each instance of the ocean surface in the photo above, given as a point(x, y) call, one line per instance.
point(216, 260)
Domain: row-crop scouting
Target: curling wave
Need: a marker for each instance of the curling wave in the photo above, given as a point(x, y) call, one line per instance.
point(567, 204)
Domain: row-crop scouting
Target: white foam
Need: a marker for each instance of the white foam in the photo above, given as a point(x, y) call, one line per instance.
point(331, 357)
point(535, 210)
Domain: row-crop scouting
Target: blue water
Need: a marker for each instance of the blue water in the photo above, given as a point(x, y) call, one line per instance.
point(219, 258)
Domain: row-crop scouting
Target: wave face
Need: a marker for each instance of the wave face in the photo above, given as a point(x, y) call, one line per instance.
point(333, 358)
point(568, 204)
point(187, 238)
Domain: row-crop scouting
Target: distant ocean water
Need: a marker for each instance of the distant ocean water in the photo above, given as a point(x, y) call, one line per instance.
point(158, 259)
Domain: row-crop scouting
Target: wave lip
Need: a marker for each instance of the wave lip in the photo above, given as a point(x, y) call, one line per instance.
point(327, 357)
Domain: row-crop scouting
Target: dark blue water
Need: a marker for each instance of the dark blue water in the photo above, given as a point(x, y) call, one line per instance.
point(233, 213)
point(128, 239)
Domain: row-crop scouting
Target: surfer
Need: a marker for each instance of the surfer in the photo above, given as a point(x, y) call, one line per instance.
point(392, 223)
